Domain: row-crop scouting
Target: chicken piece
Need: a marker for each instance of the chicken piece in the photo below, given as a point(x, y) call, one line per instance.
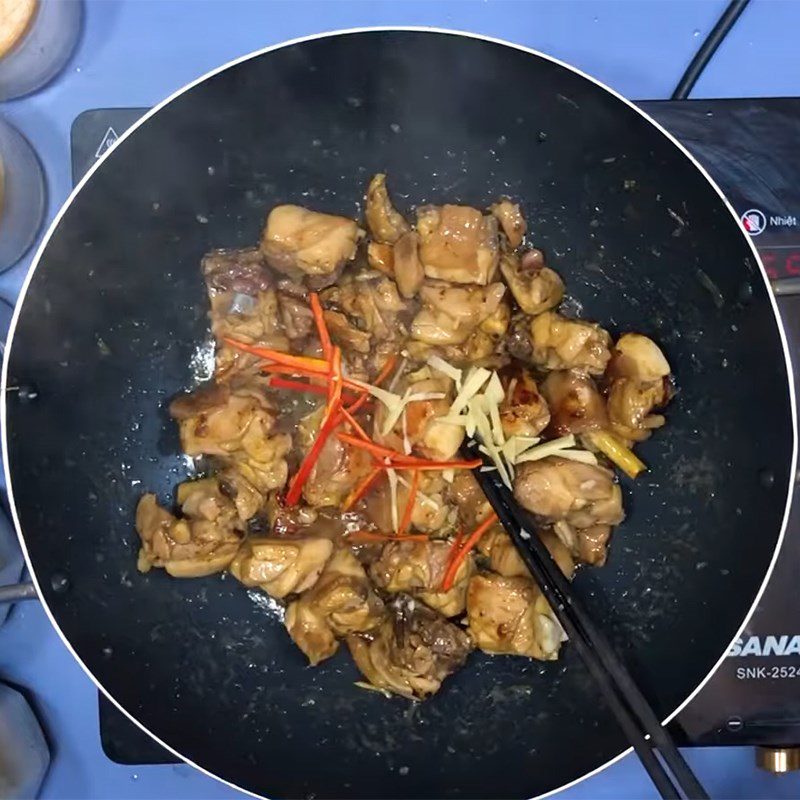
point(358, 312)
point(535, 287)
point(250, 319)
point(408, 272)
point(420, 426)
point(296, 319)
point(467, 496)
point(483, 346)
point(504, 558)
point(185, 548)
point(385, 224)
point(509, 215)
point(523, 412)
point(561, 554)
point(418, 568)
point(510, 616)
point(204, 499)
point(630, 406)
point(337, 471)
point(588, 545)
point(221, 421)
point(561, 343)
point(450, 314)
point(345, 334)
point(247, 500)
point(556, 488)
point(299, 242)
point(236, 271)
point(640, 383)
point(637, 356)
point(381, 257)
point(518, 343)
point(431, 513)
point(457, 244)
point(479, 350)
point(342, 602)
point(215, 420)
point(576, 405)
point(281, 566)
point(413, 650)
point(299, 520)
point(262, 461)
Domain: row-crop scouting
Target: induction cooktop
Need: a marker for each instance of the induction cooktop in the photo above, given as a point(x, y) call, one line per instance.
point(751, 147)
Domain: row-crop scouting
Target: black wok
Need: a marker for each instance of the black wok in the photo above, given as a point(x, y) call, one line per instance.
point(116, 309)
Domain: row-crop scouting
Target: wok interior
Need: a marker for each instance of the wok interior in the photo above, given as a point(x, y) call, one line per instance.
point(116, 310)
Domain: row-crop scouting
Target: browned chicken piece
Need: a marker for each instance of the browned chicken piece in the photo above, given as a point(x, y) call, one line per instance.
point(215, 420)
point(296, 319)
point(250, 319)
point(483, 347)
point(518, 342)
point(408, 272)
point(439, 441)
point(588, 545)
point(233, 366)
point(418, 568)
point(385, 224)
point(281, 566)
point(431, 512)
point(413, 650)
point(185, 548)
point(346, 334)
point(236, 271)
point(366, 368)
point(535, 287)
point(341, 602)
point(640, 383)
point(262, 462)
point(523, 412)
point(457, 244)
point(247, 500)
point(221, 421)
point(359, 312)
point(556, 488)
point(204, 499)
point(299, 242)
point(420, 426)
point(381, 257)
point(504, 558)
point(630, 407)
point(561, 343)
point(576, 405)
point(509, 215)
point(637, 356)
point(337, 471)
point(450, 314)
point(510, 616)
point(466, 495)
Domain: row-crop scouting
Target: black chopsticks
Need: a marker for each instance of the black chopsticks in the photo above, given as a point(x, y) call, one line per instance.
point(635, 716)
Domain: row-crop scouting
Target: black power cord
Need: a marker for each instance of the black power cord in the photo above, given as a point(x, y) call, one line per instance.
point(708, 48)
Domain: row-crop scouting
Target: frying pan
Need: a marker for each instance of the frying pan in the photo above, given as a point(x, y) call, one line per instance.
point(113, 324)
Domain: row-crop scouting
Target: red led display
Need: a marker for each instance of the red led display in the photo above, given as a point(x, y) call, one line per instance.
point(781, 263)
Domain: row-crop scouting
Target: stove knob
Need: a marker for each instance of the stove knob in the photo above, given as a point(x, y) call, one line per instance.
point(778, 759)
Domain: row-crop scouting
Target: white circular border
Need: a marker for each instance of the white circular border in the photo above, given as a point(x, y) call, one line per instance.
point(349, 31)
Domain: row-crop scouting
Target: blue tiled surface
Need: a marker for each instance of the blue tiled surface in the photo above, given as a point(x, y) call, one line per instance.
point(135, 52)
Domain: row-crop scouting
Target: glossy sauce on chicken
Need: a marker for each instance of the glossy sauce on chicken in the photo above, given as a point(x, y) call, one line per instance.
point(353, 358)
